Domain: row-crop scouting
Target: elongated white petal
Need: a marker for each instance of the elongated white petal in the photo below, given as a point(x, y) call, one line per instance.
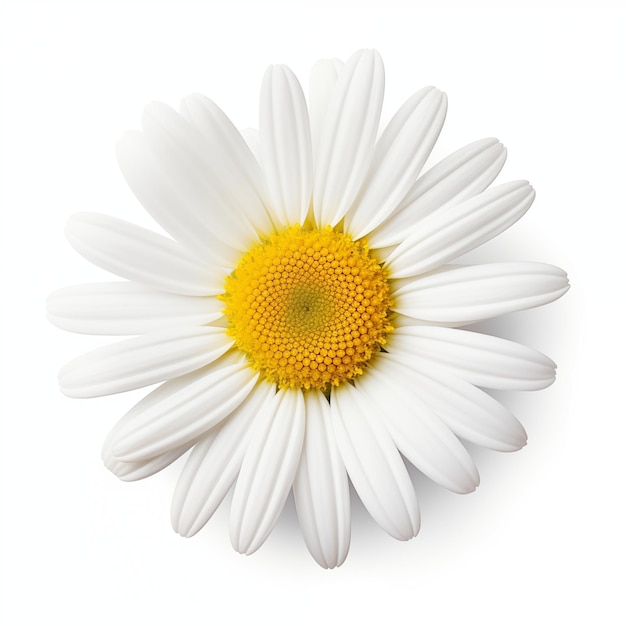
point(460, 176)
point(139, 470)
point(462, 295)
point(320, 488)
point(142, 361)
point(466, 410)
point(399, 156)
point(417, 432)
point(445, 235)
point(127, 309)
point(480, 359)
point(268, 469)
point(176, 207)
point(214, 464)
point(140, 255)
point(216, 183)
point(347, 136)
point(252, 137)
point(286, 145)
point(182, 409)
point(374, 463)
point(234, 150)
point(321, 83)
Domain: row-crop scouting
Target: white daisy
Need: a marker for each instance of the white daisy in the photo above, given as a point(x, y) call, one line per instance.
point(301, 318)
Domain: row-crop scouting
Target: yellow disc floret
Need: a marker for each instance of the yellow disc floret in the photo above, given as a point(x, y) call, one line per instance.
point(309, 307)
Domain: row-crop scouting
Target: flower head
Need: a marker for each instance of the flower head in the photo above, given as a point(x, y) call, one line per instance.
point(302, 316)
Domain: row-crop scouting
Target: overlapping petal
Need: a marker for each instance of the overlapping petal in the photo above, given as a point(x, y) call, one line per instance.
point(446, 235)
point(416, 431)
point(138, 470)
point(467, 411)
point(237, 157)
point(127, 308)
point(214, 464)
point(480, 359)
point(212, 171)
point(268, 470)
point(180, 209)
point(320, 488)
point(286, 145)
point(374, 463)
point(462, 175)
point(141, 361)
point(182, 410)
point(140, 255)
point(347, 136)
point(461, 295)
point(399, 156)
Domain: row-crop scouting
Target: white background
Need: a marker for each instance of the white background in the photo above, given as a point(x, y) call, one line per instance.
point(542, 540)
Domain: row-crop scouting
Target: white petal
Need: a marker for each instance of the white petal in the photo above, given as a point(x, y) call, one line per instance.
point(445, 235)
point(267, 471)
point(480, 359)
point(209, 168)
point(174, 205)
point(233, 148)
point(141, 469)
point(460, 176)
point(417, 432)
point(142, 361)
point(252, 137)
point(320, 489)
point(322, 81)
point(140, 255)
point(127, 309)
point(374, 463)
point(468, 411)
point(286, 145)
point(462, 295)
point(183, 409)
point(347, 136)
point(214, 464)
point(399, 156)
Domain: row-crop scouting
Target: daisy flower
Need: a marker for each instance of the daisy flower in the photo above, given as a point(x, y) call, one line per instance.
point(304, 316)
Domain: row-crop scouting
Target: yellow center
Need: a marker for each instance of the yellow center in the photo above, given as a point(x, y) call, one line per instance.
point(308, 307)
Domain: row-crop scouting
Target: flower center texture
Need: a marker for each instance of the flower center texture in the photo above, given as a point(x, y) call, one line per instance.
point(309, 307)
